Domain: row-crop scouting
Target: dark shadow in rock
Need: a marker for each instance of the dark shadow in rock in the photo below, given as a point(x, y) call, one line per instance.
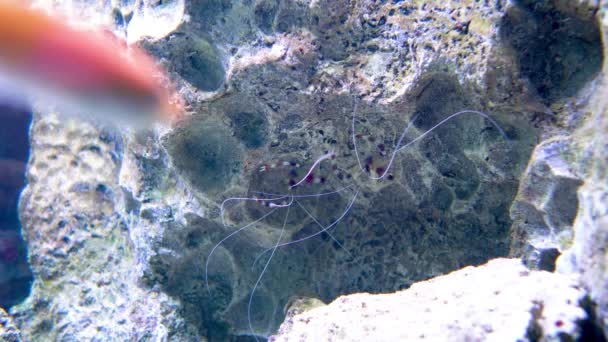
point(220, 312)
point(205, 153)
point(200, 65)
point(193, 57)
point(438, 96)
point(15, 273)
point(547, 259)
point(376, 238)
point(250, 128)
point(265, 12)
point(206, 12)
point(591, 328)
point(441, 198)
point(291, 15)
point(155, 164)
point(181, 275)
point(459, 173)
point(329, 21)
point(562, 206)
point(558, 52)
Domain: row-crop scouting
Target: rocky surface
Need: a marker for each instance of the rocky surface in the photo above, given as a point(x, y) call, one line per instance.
point(128, 231)
point(8, 330)
point(561, 205)
point(547, 203)
point(80, 249)
point(288, 94)
point(499, 301)
point(559, 210)
point(129, 20)
point(587, 255)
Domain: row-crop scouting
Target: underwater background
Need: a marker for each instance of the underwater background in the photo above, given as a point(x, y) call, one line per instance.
point(15, 275)
point(314, 166)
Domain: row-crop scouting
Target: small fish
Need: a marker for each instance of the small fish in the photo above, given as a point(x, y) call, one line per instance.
point(79, 72)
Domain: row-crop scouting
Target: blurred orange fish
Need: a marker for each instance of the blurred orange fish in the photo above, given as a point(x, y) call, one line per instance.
point(79, 72)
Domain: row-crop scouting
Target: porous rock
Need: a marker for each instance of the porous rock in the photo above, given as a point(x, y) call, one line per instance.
point(559, 215)
point(498, 301)
point(80, 248)
point(587, 254)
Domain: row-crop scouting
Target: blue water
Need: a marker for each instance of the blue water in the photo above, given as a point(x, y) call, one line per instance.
point(15, 275)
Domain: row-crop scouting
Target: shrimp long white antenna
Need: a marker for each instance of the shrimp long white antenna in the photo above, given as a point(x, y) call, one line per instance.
point(467, 111)
point(257, 283)
point(226, 238)
point(315, 234)
point(398, 147)
point(328, 155)
point(303, 196)
point(222, 210)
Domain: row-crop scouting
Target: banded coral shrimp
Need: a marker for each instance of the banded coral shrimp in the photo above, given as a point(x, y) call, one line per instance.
point(269, 202)
point(286, 215)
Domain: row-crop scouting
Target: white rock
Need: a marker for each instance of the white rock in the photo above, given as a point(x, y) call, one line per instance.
point(498, 301)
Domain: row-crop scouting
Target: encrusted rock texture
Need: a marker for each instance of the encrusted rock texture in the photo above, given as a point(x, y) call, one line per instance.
point(131, 235)
point(86, 283)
